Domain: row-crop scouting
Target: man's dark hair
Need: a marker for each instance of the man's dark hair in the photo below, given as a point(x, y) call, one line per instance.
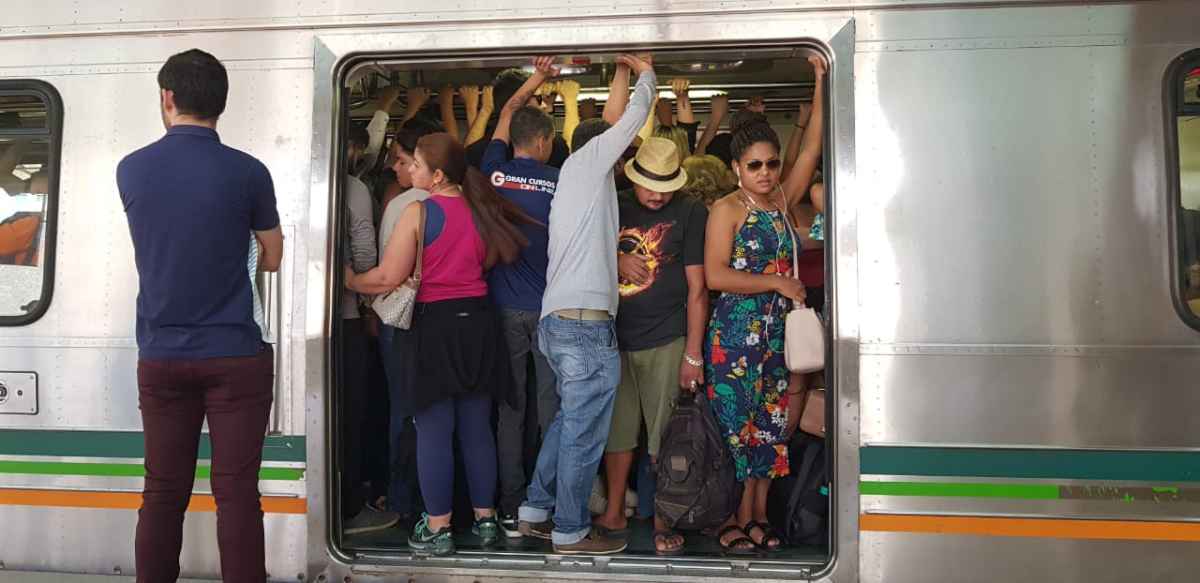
point(413, 130)
point(586, 130)
point(358, 136)
point(506, 83)
point(199, 82)
point(528, 124)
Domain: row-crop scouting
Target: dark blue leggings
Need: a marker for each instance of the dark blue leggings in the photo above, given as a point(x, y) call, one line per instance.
point(471, 418)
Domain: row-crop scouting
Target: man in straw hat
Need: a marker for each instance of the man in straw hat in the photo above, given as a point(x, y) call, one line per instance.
point(663, 311)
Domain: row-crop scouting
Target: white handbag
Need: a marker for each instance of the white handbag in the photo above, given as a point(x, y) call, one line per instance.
point(803, 334)
point(395, 308)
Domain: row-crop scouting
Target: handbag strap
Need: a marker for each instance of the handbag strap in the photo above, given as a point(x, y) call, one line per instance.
point(787, 224)
point(416, 274)
point(787, 220)
point(785, 210)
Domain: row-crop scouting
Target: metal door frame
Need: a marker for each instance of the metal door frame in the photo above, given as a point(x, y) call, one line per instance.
point(335, 54)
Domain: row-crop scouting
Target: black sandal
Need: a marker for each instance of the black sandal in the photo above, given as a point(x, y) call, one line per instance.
point(768, 536)
point(737, 545)
point(665, 536)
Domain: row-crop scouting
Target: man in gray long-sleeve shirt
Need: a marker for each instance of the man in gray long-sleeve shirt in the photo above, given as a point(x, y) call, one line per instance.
point(576, 331)
point(362, 255)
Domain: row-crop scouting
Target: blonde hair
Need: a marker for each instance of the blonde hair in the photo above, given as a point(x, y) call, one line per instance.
point(708, 178)
point(675, 134)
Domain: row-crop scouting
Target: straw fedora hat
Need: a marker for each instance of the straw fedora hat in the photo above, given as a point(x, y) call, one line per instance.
point(656, 166)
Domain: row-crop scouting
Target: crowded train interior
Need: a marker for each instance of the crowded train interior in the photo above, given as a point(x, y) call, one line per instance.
point(695, 89)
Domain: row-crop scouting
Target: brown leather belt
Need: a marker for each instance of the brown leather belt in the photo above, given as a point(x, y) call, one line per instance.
point(582, 314)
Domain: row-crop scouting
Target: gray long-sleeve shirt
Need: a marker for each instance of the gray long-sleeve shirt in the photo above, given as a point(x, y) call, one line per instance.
point(363, 250)
point(584, 220)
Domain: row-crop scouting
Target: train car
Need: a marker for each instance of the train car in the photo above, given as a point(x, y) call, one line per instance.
point(1011, 257)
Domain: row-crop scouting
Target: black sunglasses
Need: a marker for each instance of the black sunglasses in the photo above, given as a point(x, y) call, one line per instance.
point(756, 165)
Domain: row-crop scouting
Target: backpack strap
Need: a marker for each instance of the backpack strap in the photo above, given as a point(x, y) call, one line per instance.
point(686, 398)
point(689, 508)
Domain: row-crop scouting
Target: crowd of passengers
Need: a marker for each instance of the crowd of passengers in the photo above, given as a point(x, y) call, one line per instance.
point(635, 261)
point(634, 265)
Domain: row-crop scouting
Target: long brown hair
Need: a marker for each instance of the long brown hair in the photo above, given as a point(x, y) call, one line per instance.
point(495, 217)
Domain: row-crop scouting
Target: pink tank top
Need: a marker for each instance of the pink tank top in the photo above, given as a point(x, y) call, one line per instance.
point(452, 266)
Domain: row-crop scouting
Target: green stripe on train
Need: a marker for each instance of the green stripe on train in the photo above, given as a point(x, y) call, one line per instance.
point(943, 490)
point(1069, 464)
point(1019, 491)
point(124, 470)
point(123, 444)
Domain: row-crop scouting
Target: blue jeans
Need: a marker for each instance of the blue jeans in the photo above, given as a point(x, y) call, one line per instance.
point(398, 362)
point(584, 357)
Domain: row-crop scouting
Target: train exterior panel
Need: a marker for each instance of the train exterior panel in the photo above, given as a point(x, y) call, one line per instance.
point(1014, 389)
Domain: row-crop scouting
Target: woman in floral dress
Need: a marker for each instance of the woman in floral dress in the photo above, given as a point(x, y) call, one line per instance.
point(748, 258)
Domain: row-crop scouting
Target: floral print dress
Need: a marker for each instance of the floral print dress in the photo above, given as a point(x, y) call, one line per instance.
point(745, 370)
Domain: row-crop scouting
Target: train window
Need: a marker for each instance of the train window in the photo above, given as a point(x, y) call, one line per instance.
point(1183, 96)
point(386, 105)
point(30, 134)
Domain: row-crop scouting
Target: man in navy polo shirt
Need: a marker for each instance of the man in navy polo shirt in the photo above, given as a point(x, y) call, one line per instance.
point(504, 86)
point(191, 202)
point(517, 288)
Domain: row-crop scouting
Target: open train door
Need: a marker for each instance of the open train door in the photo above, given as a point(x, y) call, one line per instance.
point(481, 44)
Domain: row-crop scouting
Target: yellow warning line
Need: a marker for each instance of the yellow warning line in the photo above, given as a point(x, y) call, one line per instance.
point(131, 500)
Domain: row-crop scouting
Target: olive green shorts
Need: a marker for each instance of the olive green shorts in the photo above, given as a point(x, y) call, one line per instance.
point(647, 392)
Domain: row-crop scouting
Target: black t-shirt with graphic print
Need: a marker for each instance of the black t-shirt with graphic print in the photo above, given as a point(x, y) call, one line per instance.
point(655, 313)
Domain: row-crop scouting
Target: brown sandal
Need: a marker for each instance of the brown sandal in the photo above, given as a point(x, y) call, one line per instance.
point(768, 536)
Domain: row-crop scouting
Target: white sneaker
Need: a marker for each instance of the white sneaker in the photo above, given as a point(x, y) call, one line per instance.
point(510, 526)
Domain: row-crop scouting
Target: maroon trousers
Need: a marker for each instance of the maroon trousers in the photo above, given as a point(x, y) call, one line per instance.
point(175, 396)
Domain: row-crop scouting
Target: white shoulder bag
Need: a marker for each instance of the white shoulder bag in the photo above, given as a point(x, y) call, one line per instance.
point(804, 336)
point(395, 308)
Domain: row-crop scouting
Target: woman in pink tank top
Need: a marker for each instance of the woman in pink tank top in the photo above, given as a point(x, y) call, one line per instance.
point(452, 264)
point(462, 365)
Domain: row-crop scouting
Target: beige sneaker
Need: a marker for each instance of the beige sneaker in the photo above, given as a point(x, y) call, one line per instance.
point(540, 530)
point(592, 544)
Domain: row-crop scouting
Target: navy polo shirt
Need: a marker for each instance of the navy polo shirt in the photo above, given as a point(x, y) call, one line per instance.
point(531, 185)
point(191, 203)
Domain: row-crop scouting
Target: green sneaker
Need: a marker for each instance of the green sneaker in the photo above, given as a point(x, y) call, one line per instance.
point(487, 529)
point(424, 541)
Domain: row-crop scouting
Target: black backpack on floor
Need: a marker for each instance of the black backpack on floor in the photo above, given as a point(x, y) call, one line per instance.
point(696, 487)
point(798, 504)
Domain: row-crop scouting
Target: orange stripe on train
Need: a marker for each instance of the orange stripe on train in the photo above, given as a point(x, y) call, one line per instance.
point(131, 500)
